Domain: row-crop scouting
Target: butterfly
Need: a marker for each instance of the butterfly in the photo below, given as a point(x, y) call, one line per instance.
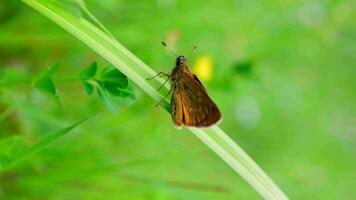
point(190, 103)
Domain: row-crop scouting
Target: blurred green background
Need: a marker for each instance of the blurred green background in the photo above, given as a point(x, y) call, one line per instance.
point(282, 73)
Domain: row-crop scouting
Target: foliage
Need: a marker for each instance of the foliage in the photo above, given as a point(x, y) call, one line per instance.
point(281, 73)
point(110, 84)
point(45, 83)
point(13, 150)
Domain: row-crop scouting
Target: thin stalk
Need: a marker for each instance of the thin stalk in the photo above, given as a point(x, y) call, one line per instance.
point(110, 49)
point(31, 151)
point(92, 17)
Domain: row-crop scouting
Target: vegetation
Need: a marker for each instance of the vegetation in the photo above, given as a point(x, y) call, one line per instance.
point(290, 106)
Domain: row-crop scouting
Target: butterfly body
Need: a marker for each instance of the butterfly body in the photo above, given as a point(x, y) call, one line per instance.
point(190, 104)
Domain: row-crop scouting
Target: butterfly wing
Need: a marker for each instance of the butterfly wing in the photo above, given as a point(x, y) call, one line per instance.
point(176, 107)
point(191, 105)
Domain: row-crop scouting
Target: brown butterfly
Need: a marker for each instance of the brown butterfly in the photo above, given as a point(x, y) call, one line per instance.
point(190, 104)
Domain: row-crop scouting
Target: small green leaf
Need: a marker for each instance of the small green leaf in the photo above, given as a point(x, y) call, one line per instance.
point(113, 76)
point(89, 72)
point(111, 73)
point(88, 87)
point(110, 83)
point(106, 97)
point(45, 85)
point(117, 91)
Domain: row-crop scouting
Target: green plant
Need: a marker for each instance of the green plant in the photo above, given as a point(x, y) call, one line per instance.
point(105, 45)
point(13, 152)
point(110, 84)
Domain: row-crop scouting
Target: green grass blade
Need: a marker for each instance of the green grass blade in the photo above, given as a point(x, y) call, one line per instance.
point(138, 71)
point(86, 11)
point(27, 153)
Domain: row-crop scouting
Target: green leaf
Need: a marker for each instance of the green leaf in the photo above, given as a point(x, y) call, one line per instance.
point(89, 72)
point(45, 85)
point(27, 153)
point(110, 83)
point(113, 85)
point(88, 87)
point(106, 97)
point(113, 77)
point(118, 91)
point(112, 73)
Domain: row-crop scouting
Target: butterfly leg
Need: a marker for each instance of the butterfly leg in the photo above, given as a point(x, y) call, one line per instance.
point(163, 84)
point(158, 74)
point(170, 90)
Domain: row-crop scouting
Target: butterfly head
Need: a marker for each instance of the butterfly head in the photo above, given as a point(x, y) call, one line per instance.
point(181, 60)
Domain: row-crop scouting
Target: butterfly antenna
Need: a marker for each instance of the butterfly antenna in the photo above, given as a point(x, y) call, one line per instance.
point(170, 50)
point(193, 50)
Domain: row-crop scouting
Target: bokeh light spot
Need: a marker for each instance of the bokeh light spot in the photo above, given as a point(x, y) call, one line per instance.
point(247, 112)
point(203, 68)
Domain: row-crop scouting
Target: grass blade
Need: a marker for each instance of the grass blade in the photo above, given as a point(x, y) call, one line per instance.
point(27, 153)
point(137, 71)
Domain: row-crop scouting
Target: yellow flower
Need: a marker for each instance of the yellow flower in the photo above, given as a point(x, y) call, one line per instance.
point(203, 68)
